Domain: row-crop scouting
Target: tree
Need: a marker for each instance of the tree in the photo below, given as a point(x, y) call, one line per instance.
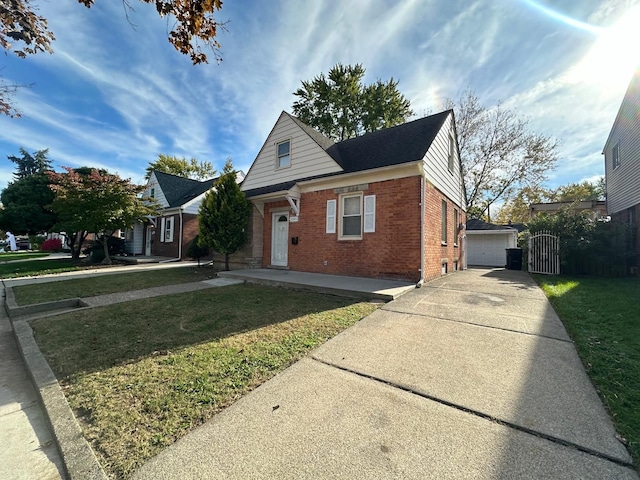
point(499, 154)
point(195, 24)
point(517, 208)
point(26, 200)
point(92, 200)
point(341, 107)
point(181, 167)
point(224, 214)
point(197, 251)
point(579, 192)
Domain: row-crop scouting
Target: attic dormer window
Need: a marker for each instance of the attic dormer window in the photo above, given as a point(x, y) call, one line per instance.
point(284, 154)
point(153, 193)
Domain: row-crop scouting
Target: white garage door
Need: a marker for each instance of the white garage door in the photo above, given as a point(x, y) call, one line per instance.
point(487, 250)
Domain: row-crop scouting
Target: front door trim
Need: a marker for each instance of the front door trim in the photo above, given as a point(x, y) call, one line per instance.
point(279, 239)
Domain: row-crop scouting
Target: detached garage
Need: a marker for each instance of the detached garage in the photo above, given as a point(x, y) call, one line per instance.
point(487, 243)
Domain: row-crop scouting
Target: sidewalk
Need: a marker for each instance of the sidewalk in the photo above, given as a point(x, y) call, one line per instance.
point(28, 449)
point(472, 376)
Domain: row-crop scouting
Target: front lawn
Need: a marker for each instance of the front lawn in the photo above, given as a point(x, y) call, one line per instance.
point(12, 256)
point(103, 284)
point(601, 315)
point(39, 267)
point(142, 374)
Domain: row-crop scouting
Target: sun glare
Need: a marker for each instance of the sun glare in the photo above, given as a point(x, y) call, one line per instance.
point(615, 54)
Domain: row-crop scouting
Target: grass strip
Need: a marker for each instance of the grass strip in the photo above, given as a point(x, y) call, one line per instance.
point(143, 374)
point(11, 257)
point(39, 267)
point(104, 284)
point(601, 315)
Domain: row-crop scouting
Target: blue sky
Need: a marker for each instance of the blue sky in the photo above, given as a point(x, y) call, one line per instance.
point(115, 95)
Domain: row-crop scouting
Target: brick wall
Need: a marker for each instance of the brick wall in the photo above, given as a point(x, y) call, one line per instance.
point(392, 251)
point(438, 257)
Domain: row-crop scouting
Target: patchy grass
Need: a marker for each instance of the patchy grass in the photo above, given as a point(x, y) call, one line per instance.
point(40, 267)
point(601, 315)
point(141, 375)
point(12, 256)
point(103, 284)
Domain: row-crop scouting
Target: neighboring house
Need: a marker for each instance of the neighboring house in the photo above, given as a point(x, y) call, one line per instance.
point(487, 243)
point(597, 208)
point(622, 161)
point(388, 204)
point(169, 234)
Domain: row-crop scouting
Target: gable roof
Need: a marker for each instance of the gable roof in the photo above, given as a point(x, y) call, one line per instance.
point(179, 190)
point(477, 224)
point(405, 143)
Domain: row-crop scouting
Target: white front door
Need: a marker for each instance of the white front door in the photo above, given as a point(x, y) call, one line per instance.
point(147, 244)
point(279, 239)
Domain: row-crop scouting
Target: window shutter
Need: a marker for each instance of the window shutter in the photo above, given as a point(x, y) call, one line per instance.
point(162, 228)
point(369, 213)
point(331, 216)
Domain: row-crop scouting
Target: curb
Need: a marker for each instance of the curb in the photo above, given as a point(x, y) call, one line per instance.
point(78, 458)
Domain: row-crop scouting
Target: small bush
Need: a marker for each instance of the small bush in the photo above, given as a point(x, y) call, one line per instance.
point(196, 251)
point(51, 245)
point(36, 241)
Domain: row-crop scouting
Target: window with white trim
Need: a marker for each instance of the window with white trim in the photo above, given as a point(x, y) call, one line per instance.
point(283, 152)
point(351, 216)
point(615, 156)
point(331, 216)
point(444, 222)
point(452, 149)
point(455, 227)
point(369, 214)
point(168, 230)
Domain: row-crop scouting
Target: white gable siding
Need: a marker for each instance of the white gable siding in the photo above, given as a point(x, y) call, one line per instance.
point(307, 157)
point(623, 183)
point(436, 165)
point(194, 205)
point(158, 195)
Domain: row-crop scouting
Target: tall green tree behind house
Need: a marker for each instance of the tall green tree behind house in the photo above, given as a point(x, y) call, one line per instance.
point(181, 167)
point(340, 106)
point(224, 214)
point(26, 200)
point(93, 200)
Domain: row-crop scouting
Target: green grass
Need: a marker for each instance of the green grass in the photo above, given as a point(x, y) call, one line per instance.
point(10, 257)
point(143, 374)
point(39, 267)
point(103, 284)
point(601, 315)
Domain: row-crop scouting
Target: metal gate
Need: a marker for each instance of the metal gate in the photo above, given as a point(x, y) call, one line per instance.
point(544, 253)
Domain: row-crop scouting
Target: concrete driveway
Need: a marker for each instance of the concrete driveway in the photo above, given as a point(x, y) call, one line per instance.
point(471, 376)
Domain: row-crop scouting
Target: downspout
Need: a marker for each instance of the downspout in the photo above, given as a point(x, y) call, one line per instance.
point(422, 211)
point(179, 243)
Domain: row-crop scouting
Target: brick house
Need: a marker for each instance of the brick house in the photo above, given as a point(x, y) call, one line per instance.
point(169, 234)
point(388, 204)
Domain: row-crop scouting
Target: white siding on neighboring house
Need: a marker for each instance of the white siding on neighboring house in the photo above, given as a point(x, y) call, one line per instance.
point(623, 182)
point(436, 165)
point(157, 191)
point(307, 157)
point(193, 205)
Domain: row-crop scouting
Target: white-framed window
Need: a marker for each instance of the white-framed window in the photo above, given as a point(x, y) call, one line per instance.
point(444, 223)
point(452, 149)
point(357, 215)
point(455, 227)
point(331, 216)
point(283, 154)
point(168, 224)
point(615, 156)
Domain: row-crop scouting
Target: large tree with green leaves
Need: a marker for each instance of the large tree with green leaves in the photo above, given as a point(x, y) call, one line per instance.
point(499, 154)
point(224, 214)
point(340, 106)
point(26, 200)
point(181, 167)
point(94, 200)
point(25, 32)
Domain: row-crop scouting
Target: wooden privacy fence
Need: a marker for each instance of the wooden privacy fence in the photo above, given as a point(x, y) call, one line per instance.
point(544, 253)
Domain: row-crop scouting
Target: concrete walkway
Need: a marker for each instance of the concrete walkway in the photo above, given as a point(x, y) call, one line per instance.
point(28, 449)
point(472, 376)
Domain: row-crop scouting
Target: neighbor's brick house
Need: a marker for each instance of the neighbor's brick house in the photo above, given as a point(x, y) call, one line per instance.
point(388, 204)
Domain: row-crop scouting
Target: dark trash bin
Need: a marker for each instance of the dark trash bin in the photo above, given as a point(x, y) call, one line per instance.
point(514, 259)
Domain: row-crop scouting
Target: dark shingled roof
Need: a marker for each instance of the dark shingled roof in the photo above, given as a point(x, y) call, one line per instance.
point(476, 224)
point(179, 190)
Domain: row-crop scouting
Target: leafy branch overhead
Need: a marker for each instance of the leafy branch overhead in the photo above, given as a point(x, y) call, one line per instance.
point(340, 106)
point(180, 167)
